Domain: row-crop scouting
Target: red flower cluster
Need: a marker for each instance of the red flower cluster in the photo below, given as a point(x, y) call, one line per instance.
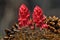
point(24, 15)
point(38, 17)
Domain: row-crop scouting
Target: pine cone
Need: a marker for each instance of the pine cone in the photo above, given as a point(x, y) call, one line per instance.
point(54, 23)
point(27, 34)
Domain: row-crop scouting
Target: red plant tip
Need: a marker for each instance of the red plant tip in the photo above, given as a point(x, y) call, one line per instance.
point(38, 10)
point(23, 15)
point(23, 10)
point(23, 7)
point(38, 17)
point(37, 14)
